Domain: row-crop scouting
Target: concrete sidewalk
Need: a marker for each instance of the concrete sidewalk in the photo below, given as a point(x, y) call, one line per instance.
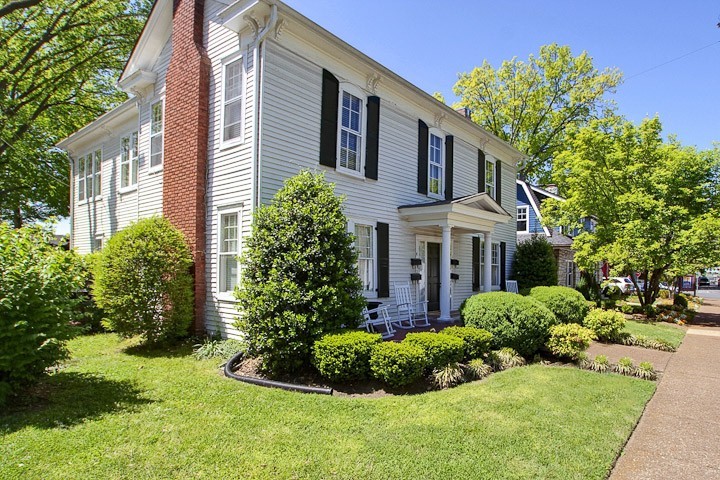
point(678, 436)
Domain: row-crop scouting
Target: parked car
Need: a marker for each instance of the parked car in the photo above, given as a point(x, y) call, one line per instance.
point(703, 281)
point(623, 283)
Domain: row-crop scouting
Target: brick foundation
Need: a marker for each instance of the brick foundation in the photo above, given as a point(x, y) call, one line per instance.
point(187, 90)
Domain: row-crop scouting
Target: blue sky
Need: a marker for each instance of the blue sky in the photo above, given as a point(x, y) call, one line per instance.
point(429, 43)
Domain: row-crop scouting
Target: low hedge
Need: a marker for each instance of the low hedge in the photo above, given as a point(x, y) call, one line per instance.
point(476, 340)
point(345, 356)
point(521, 323)
point(607, 324)
point(568, 305)
point(397, 364)
point(568, 340)
point(440, 350)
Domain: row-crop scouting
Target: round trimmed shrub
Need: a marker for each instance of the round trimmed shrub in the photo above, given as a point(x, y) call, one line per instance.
point(607, 324)
point(397, 364)
point(568, 305)
point(345, 356)
point(569, 340)
point(143, 282)
point(38, 304)
point(521, 323)
point(440, 350)
point(300, 276)
point(680, 300)
point(476, 340)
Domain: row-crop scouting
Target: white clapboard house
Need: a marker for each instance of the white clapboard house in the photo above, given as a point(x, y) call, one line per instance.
point(229, 99)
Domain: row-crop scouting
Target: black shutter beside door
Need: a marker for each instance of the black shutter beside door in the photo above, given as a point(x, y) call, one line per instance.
point(372, 143)
point(481, 171)
point(503, 246)
point(329, 119)
point(449, 141)
point(423, 139)
point(383, 255)
point(475, 264)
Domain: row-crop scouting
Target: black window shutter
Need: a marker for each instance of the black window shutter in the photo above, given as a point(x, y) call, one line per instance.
point(498, 182)
point(502, 265)
point(449, 141)
point(423, 139)
point(329, 119)
point(383, 254)
point(481, 171)
point(475, 264)
point(373, 136)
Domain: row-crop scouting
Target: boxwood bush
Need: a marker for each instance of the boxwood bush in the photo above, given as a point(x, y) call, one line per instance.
point(568, 305)
point(38, 304)
point(397, 364)
point(569, 340)
point(521, 323)
point(607, 324)
point(440, 350)
point(143, 282)
point(476, 340)
point(345, 356)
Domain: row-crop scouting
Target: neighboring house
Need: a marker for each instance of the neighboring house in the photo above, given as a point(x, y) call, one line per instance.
point(229, 99)
point(529, 222)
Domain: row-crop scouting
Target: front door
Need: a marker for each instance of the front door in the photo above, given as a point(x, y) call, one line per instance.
point(433, 276)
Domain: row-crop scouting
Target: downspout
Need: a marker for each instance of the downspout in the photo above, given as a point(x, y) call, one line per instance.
point(259, 65)
point(71, 243)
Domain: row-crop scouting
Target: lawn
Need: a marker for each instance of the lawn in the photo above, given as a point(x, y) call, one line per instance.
point(115, 411)
point(673, 334)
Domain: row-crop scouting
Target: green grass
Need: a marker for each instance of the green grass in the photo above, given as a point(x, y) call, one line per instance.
point(115, 412)
point(673, 334)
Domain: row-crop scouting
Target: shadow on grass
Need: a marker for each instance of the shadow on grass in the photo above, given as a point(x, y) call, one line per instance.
point(65, 399)
point(183, 349)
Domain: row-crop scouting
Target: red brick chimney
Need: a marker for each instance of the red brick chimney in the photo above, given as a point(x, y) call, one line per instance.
point(187, 90)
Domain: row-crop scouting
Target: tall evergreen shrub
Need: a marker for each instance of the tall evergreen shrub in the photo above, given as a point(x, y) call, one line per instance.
point(534, 264)
point(299, 274)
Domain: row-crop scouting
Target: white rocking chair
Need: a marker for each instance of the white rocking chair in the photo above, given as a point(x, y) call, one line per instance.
point(375, 317)
point(511, 286)
point(408, 310)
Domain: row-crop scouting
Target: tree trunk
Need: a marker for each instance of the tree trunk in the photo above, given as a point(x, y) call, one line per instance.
point(17, 218)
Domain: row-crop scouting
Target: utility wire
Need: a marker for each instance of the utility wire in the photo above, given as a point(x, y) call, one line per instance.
point(670, 61)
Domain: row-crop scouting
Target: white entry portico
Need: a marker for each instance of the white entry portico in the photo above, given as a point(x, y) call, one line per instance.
point(472, 214)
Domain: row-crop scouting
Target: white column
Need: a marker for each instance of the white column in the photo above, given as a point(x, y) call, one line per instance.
point(487, 268)
point(445, 275)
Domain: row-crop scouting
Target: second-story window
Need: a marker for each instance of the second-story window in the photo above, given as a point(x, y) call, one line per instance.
point(522, 218)
point(129, 160)
point(156, 134)
point(89, 175)
point(436, 166)
point(350, 144)
point(490, 178)
point(232, 100)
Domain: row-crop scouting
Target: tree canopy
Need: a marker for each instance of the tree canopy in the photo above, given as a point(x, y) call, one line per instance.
point(655, 202)
point(532, 104)
point(58, 66)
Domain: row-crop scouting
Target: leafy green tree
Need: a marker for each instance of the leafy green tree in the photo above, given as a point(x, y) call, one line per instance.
point(58, 67)
point(299, 276)
point(37, 304)
point(534, 264)
point(655, 203)
point(143, 282)
point(532, 104)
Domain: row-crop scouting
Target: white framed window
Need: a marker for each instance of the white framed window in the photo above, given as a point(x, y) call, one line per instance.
point(522, 219)
point(494, 264)
point(98, 243)
point(228, 250)
point(570, 274)
point(351, 130)
point(436, 166)
point(156, 134)
point(89, 184)
point(490, 177)
point(365, 245)
point(232, 99)
point(129, 161)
